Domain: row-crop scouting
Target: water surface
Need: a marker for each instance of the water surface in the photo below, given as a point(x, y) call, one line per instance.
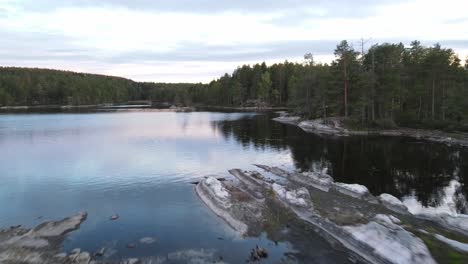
point(140, 165)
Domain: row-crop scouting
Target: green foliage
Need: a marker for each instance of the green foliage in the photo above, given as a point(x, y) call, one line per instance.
point(390, 85)
point(264, 86)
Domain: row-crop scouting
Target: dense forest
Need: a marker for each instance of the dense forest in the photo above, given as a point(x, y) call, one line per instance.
point(26, 86)
point(387, 85)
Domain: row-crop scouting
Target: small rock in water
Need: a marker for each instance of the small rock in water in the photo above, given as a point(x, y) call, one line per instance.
point(131, 245)
point(100, 252)
point(195, 182)
point(132, 261)
point(147, 240)
point(114, 217)
point(258, 254)
point(61, 255)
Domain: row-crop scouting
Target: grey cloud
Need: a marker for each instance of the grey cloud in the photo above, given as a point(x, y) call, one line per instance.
point(454, 44)
point(34, 46)
point(3, 12)
point(331, 8)
point(264, 51)
point(220, 53)
point(39, 46)
point(46, 46)
point(457, 20)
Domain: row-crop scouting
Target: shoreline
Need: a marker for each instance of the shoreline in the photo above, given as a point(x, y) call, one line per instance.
point(318, 126)
point(22, 108)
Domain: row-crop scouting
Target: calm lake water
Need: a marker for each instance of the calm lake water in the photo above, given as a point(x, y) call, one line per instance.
point(140, 165)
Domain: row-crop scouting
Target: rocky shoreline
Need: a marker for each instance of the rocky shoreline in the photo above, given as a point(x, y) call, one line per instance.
point(288, 206)
point(372, 228)
point(334, 127)
point(43, 245)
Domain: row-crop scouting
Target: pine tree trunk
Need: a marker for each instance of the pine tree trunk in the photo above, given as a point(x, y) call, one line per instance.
point(433, 99)
point(420, 108)
point(345, 89)
point(393, 105)
point(324, 110)
point(443, 100)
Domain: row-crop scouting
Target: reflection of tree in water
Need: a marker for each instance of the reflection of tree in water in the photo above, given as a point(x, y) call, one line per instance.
point(256, 131)
point(399, 166)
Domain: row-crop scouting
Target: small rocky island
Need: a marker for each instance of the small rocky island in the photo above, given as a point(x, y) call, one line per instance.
point(372, 229)
point(334, 126)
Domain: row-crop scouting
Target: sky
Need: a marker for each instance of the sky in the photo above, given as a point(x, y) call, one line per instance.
point(200, 40)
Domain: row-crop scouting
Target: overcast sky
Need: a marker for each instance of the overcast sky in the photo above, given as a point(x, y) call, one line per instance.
point(198, 40)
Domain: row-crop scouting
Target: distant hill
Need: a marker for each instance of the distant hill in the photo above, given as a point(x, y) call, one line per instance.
point(32, 86)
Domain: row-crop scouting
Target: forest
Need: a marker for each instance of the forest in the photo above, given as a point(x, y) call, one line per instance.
point(388, 85)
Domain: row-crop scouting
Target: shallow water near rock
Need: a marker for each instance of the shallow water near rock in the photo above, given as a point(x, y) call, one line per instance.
point(139, 165)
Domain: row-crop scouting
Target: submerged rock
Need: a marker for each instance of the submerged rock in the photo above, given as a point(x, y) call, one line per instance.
point(258, 254)
point(114, 217)
point(147, 240)
point(131, 261)
point(100, 252)
point(131, 245)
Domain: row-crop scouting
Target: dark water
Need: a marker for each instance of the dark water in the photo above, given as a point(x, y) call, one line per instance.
point(397, 165)
point(139, 165)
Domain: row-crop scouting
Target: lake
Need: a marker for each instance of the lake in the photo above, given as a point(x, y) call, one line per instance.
point(139, 165)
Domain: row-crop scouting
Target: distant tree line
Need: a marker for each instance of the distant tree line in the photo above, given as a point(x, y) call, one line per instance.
point(388, 85)
point(27, 86)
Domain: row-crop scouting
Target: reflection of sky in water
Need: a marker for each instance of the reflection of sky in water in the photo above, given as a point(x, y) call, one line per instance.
point(135, 164)
point(106, 150)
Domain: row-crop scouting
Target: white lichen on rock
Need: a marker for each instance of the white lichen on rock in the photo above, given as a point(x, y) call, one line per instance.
point(217, 188)
point(299, 197)
point(388, 238)
point(212, 192)
point(453, 243)
point(355, 190)
point(392, 203)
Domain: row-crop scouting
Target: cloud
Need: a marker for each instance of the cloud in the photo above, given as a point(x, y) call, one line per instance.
point(325, 7)
point(199, 40)
point(205, 52)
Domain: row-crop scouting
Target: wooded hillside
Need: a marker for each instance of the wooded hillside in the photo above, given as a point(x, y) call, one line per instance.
point(388, 85)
